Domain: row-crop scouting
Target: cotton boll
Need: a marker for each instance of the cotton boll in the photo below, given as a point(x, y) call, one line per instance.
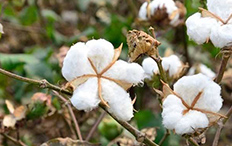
point(118, 100)
point(172, 111)
point(76, 62)
point(85, 97)
point(189, 86)
point(101, 53)
point(128, 72)
point(221, 35)
point(143, 11)
point(150, 67)
point(202, 69)
point(222, 8)
point(171, 64)
point(190, 121)
point(198, 28)
point(168, 4)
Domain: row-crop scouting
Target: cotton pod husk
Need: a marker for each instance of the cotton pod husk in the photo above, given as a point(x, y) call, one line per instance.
point(140, 43)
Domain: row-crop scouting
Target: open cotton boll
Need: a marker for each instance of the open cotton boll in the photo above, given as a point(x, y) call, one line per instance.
point(202, 69)
point(172, 111)
point(118, 100)
point(129, 72)
point(198, 28)
point(190, 121)
point(221, 35)
point(85, 97)
point(143, 11)
point(76, 62)
point(188, 88)
point(150, 67)
point(101, 53)
point(168, 4)
point(222, 8)
point(172, 64)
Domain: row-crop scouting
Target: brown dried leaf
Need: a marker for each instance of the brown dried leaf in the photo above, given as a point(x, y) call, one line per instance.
point(10, 106)
point(150, 133)
point(141, 43)
point(39, 96)
point(166, 90)
point(9, 121)
point(67, 142)
point(20, 112)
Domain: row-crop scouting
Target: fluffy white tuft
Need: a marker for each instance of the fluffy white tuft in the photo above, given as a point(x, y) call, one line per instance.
point(221, 36)
point(222, 8)
point(198, 28)
point(190, 121)
point(118, 100)
point(188, 88)
point(128, 72)
point(172, 64)
point(143, 11)
point(203, 69)
point(101, 53)
point(150, 67)
point(76, 63)
point(172, 111)
point(168, 4)
point(85, 97)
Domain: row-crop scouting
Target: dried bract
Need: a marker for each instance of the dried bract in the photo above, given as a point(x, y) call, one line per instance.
point(141, 43)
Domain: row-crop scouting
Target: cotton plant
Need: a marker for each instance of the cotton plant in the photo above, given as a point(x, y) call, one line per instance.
point(192, 104)
point(171, 64)
point(97, 76)
point(201, 68)
point(214, 24)
point(162, 12)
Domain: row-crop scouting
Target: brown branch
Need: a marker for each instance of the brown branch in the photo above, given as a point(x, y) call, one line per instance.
point(45, 84)
point(77, 128)
point(221, 125)
point(18, 142)
point(41, 83)
point(226, 51)
point(93, 129)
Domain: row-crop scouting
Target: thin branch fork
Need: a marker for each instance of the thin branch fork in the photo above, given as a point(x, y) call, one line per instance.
point(139, 135)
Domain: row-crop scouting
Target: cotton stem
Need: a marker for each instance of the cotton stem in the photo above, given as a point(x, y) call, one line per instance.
point(164, 137)
point(226, 51)
point(77, 128)
point(18, 142)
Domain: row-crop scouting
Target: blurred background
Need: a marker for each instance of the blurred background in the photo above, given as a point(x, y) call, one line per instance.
point(37, 36)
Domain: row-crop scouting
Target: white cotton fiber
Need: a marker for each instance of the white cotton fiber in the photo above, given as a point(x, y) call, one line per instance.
point(172, 111)
point(118, 100)
point(150, 67)
point(202, 69)
point(76, 63)
point(221, 35)
point(85, 97)
point(172, 64)
point(128, 72)
point(221, 8)
point(143, 11)
point(101, 53)
point(199, 28)
point(168, 4)
point(190, 121)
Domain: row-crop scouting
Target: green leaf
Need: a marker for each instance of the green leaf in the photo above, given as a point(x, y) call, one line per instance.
point(28, 15)
point(36, 110)
point(50, 15)
point(11, 61)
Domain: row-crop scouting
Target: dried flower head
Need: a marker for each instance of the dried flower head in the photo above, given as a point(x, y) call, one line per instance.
point(96, 76)
point(214, 24)
point(141, 43)
point(162, 12)
point(191, 105)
